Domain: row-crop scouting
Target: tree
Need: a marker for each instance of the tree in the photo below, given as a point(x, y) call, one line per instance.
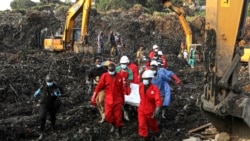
point(50, 1)
point(22, 4)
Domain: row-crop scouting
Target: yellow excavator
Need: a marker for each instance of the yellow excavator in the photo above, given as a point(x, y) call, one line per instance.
point(224, 101)
point(180, 12)
point(72, 38)
point(188, 32)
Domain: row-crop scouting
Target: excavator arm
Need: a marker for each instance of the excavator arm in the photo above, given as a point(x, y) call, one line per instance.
point(67, 40)
point(180, 12)
point(223, 100)
point(81, 6)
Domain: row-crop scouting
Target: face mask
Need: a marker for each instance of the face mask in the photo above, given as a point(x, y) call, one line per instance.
point(98, 66)
point(111, 72)
point(145, 82)
point(49, 83)
point(123, 66)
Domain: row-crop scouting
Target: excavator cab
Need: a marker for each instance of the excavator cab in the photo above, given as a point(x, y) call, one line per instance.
point(53, 44)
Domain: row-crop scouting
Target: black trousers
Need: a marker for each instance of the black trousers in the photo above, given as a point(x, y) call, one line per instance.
point(45, 109)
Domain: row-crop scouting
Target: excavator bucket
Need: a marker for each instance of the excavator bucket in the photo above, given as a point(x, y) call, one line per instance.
point(223, 101)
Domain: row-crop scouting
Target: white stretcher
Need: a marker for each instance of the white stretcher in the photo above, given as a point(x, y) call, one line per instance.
point(134, 97)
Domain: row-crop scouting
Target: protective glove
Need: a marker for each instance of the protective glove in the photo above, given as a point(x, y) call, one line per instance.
point(38, 91)
point(176, 79)
point(156, 112)
point(93, 99)
point(57, 93)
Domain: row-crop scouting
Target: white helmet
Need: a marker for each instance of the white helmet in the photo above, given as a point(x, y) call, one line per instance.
point(124, 59)
point(148, 74)
point(155, 46)
point(155, 63)
point(160, 52)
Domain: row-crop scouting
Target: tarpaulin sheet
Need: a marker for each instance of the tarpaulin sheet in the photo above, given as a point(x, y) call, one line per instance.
point(134, 97)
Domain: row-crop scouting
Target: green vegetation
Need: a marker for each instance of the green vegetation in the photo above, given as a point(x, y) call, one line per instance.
point(22, 4)
point(105, 5)
point(150, 7)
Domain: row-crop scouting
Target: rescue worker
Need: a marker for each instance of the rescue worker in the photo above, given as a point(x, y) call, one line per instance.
point(183, 46)
point(162, 58)
point(166, 90)
point(185, 55)
point(112, 83)
point(93, 79)
point(135, 71)
point(191, 60)
point(139, 55)
point(160, 79)
point(152, 53)
point(149, 106)
point(127, 76)
point(96, 72)
point(113, 50)
point(51, 91)
point(100, 43)
point(144, 66)
point(119, 44)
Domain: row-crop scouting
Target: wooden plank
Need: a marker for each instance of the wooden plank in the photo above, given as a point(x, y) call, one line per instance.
point(199, 128)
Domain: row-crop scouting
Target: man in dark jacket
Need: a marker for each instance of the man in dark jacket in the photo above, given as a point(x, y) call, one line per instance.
point(96, 72)
point(50, 91)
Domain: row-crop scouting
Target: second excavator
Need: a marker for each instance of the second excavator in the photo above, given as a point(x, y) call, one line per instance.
point(72, 38)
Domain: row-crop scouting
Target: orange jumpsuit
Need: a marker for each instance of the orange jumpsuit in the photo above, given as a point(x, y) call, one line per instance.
point(149, 101)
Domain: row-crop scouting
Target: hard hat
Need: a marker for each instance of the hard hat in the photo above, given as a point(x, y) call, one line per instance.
point(160, 52)
point(155, 46)
point(148, 74)
point(124, 59)
point(155, 63)
point(49, 78)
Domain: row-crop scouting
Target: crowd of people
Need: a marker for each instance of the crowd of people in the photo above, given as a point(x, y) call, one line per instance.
point(153, 78)
point(149, 72)
point(115, 41)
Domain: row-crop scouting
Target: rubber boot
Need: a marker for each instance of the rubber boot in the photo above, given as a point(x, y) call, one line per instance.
point(126, 115)
point(119, 133)
point(163, 113)
point(103, 118)
point(112, 130)
point(157, 136)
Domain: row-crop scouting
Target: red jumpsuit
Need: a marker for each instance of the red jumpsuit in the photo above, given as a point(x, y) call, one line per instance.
point(127, 76)
point(135, 71)
point(151, 54)
point(149, 101)
point(114, 97)
point(164, 61)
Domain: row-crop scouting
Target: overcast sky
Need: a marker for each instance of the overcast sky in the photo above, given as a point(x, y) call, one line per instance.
point(5, 4)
